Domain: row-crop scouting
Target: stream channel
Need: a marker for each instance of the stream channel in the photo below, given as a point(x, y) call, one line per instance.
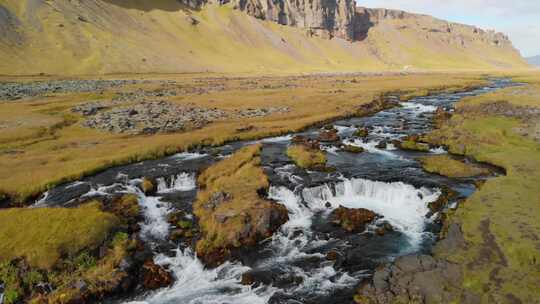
point(292, 266)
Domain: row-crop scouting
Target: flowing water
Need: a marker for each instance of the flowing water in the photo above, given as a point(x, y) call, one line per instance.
point(292, 266)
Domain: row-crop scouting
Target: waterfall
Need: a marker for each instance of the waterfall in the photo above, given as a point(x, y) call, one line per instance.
point(197, 285)
point(402, 205)
point(181, 182)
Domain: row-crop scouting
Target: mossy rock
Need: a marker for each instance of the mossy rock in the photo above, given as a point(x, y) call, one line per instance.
point(126, 207)
point(414, 146)
point(185, 224)
point(353, 149)
point(361, 132)
point(447, 166)
point(148, 186)
point(307, 158)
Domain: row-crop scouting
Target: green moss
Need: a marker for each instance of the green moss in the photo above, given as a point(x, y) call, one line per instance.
point(306, 157)
point(447, 166)
point(353, 149)
point(13, 288)
point(414, 146)
point(127, 207)
point(500, 222)
point(43, 235)
point(185, 224)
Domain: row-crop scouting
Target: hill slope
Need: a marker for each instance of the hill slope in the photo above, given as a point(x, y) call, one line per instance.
point(112, 36)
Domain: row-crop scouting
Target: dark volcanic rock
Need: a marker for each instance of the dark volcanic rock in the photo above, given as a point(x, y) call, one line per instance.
point(412, 279)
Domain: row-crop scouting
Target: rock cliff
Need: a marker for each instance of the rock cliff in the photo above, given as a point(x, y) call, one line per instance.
point(320, 17)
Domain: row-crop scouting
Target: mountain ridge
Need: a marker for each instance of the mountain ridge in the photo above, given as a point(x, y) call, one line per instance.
point(169, 36)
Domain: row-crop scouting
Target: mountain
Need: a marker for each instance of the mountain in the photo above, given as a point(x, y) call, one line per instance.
point(535, 60)
point(238, 36)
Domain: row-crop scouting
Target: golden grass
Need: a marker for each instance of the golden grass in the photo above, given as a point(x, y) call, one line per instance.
point(500, 222)
point(32, 161)
point(414, 146)
point(447, 166)
point(306, 157)
point(237, 179)
point(44, 235)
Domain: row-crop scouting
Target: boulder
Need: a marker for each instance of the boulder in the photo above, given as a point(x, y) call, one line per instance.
point(329, 136)
point(148, 186)
point(361, 132)
point(353, 220)
point(353, 149)
point(155, 276)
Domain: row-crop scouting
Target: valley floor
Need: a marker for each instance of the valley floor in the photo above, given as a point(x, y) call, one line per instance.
point(59, 130)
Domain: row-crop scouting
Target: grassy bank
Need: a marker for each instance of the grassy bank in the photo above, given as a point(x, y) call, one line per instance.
point(43, 143)
point(500, 222)
point(231, 213)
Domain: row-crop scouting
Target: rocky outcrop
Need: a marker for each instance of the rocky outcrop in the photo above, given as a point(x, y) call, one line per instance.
point(450, 32)
point(412, 279)
point(353, 220)
point(318, 17)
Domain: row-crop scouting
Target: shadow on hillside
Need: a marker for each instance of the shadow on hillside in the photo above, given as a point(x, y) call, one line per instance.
point(363, 24)
point(163, 5)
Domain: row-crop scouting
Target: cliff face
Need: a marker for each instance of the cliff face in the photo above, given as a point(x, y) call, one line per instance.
point(320, 17)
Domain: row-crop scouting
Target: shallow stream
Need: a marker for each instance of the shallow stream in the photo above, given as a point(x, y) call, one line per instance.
point(292, 266)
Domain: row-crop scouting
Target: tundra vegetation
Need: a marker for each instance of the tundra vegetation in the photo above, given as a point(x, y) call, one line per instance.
point(447, 166)
point(500, 261)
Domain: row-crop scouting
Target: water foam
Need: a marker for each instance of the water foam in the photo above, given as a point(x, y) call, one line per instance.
point(418, 108)
point(197, 285)
point(403, 206)
point(181, 182)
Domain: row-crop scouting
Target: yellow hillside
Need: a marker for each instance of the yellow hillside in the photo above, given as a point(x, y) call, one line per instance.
point(113, 36)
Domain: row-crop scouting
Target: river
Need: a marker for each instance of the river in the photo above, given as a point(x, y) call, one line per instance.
point(292, 266)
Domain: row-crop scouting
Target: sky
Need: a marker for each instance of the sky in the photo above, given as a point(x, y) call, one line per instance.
point(519, 19)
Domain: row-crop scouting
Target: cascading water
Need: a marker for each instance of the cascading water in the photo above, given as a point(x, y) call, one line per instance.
point(181, 182)
point(402, 205)
point(197, 285)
